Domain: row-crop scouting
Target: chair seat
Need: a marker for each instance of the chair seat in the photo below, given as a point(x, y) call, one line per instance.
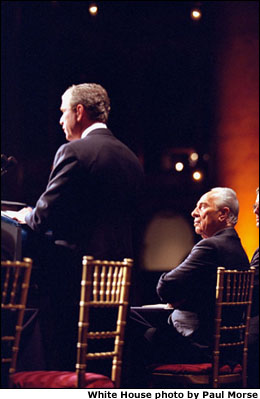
point(58, 379)
point(200, 368)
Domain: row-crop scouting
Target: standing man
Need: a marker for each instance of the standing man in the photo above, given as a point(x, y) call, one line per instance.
point(92, 190)
point(88, 204)
point(190, 288)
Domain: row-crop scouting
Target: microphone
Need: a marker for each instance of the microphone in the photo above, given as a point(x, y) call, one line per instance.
point(7, 163)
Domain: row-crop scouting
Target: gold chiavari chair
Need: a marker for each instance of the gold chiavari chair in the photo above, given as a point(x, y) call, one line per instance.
point(15, 280)
point(104, 285)
point(234, 291)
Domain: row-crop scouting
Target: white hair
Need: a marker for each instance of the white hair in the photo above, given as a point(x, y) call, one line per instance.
point(227, 197)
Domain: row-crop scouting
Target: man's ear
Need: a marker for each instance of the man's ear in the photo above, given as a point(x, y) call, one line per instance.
point(79, 112)
point(224, 212)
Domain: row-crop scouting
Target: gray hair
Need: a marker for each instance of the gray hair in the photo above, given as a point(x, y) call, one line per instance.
point(93, 97)
point(227, 197)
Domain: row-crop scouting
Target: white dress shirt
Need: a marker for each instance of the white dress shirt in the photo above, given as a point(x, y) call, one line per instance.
point(96, 125)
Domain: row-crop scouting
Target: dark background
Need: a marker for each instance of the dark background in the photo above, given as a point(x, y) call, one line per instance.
point(155, 62)
point(158, 66)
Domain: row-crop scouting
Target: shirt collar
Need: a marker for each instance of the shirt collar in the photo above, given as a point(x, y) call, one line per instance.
point(96, 125)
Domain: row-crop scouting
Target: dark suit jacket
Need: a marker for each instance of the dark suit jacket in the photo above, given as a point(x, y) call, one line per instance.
point(191, 286)
point(90, 197)
point(255, 263)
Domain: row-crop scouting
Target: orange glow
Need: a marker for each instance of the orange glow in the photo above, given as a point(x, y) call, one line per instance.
point(197, 175)
point(194, 156)
point(238, 115)
point(195, 14)
point(93, 9)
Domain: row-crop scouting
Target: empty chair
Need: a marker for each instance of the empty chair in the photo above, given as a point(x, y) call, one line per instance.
point(234, 291)
point(15, 280)
point(105, 286)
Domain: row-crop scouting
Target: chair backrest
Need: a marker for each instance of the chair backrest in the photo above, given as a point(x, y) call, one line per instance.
point(104, 285)
point(15, 279)
point(234, 290)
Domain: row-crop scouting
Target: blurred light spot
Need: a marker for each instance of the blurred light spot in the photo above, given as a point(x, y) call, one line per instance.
point(93, 9)
point(167, 241)
point(195, 14)
point(194, 156)
point(197, 175)
point(179, 166)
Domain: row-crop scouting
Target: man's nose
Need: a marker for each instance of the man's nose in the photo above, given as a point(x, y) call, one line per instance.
point(194, 212)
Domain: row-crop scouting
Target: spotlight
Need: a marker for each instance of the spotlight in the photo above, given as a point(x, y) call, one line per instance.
point(194, 156)
point(179, 166)
point(195, 14)
point(193, 159)
point(197, 175)
point(93, 9)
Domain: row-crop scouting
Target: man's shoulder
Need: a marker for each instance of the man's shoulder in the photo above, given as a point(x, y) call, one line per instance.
point(224, 248)
point(219, 236)
point(66, 149)
point(227, 234)
point(77, 145)
point(105, 142)
point(222, 239)
point(96, 139)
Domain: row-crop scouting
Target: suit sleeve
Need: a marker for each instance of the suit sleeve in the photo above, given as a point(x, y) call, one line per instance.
point(255, 263)
point(65, 170)
point(180, 283)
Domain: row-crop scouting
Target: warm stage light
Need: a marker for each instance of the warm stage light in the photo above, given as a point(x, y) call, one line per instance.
point(197, 175)
point(179, 166)
point(195, 14)
point(93, 9)
point(194, 156)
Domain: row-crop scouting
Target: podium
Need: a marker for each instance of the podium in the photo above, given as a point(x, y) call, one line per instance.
point(12, 233)
point(11, 239)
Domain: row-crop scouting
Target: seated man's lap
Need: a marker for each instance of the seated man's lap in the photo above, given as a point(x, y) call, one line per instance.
point(161, 341)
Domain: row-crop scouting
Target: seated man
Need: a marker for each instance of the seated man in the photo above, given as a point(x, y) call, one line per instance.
point(190, 288)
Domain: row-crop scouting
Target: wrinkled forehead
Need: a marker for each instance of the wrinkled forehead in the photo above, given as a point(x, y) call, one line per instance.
point(208, 198)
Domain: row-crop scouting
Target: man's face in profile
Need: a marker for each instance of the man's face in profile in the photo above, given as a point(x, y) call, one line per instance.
point(206, 216)
point(68, 119)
